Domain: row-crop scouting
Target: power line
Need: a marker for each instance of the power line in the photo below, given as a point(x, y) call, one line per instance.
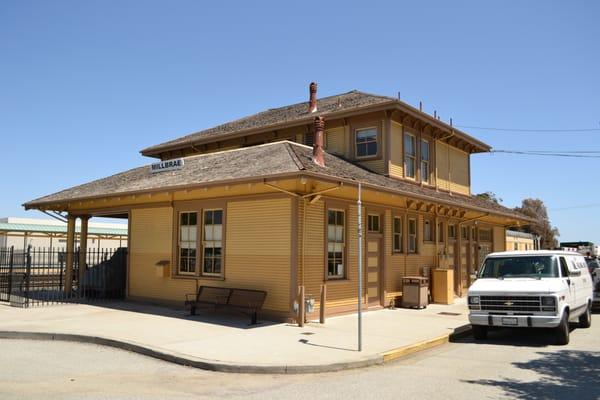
point(576, 207)
point(552, 154)
point(573, 130)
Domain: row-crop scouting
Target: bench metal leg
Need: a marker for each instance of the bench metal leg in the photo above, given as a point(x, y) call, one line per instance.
point(254, 318)
point(193, 310)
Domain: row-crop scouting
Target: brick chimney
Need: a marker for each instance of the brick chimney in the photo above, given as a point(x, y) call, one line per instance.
point(312, 105)
point(318, 154)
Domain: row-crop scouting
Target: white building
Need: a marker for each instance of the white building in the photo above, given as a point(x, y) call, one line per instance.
point(51, 233)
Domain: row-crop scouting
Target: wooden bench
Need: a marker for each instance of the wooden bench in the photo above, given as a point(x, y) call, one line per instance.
point(243, 300)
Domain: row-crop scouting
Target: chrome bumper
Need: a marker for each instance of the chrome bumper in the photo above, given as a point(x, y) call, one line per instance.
point(515, 321)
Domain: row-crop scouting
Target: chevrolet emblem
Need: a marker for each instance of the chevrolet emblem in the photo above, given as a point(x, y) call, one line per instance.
point(508, 303)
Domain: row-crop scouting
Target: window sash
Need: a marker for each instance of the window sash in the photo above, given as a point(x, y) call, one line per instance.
point(336, 244)
point(397, 233)
point(412, 235)
point(427, 232)
point(212, 255)
point(373, 223)
point(366, 142)
point(187, 243)
point(410, 156)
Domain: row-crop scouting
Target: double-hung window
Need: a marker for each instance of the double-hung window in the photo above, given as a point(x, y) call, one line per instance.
point(451, 231)
point(424, 161)
point(412, 235)
point(366, 142)
point(213, 242)
point(410, 156)
point(188, 229)
point(335, 243)
point(397, 235)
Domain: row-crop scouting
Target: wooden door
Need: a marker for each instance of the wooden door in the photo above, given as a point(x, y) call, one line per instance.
point(373, 271)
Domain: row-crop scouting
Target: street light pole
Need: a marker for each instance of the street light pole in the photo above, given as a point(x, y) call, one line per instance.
point(360, 268)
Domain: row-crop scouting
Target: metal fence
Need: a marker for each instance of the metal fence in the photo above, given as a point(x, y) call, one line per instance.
point(38, 276)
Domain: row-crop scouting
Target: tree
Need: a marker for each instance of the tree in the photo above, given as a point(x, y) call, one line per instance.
point(536, 209)
point(489, 196)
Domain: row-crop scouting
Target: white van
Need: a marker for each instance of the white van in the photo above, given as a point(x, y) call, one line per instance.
point(539, 289)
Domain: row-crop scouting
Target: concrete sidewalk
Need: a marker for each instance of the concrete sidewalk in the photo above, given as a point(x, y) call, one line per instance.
point(226, 343)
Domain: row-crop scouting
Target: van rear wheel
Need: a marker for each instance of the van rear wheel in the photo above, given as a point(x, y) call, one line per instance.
point(585, 319)
point(480, 332)
point(562, 330)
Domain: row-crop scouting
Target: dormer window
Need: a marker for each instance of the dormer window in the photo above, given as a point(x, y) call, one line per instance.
point(366, 142)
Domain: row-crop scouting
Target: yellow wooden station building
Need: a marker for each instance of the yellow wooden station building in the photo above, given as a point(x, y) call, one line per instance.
point(270, 202)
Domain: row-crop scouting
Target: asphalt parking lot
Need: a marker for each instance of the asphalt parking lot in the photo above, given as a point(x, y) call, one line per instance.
point(510, 364)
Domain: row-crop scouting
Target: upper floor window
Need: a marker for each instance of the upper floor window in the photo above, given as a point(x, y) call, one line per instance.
point(213, 242)
point(335, 243)
point(366, 142)
point(424, 161)
point(188, 228)
point(410, 156)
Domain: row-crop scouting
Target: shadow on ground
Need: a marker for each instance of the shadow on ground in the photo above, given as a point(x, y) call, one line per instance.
point(565, 374)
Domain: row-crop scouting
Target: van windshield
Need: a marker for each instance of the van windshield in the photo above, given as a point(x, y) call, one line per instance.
point(520, 267)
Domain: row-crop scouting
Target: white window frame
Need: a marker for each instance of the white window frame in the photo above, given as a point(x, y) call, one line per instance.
point(206, 243)
point(180, 241)
point(339, 274)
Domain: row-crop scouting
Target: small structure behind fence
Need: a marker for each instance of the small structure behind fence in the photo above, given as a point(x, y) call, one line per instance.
point(36, 276)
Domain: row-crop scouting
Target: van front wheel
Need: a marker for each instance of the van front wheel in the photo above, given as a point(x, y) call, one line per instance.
point(562, 330)
point(585, 319)
point(480, 332)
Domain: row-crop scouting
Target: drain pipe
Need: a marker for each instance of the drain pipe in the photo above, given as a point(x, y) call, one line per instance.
point(360, 267)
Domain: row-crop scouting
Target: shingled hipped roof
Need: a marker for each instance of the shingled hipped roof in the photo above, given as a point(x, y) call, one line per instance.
point(276, 159)
point(353, 101)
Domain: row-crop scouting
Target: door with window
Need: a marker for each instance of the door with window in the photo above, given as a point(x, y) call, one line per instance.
point(566, 278)
point(374, 258)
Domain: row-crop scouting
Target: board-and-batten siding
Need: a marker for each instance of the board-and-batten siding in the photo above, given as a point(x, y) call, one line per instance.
point(257, 252)
point(396, 166)
point(452, 169)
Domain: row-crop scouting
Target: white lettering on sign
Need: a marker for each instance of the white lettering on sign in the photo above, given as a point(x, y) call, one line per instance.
point(168, 165)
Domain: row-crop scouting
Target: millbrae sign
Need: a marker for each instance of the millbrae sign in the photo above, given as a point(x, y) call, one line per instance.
point(168, 165)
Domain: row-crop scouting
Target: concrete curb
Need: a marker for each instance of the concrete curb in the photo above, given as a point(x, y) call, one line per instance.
point(220, 366)
point(404, 351)
point(195, 362)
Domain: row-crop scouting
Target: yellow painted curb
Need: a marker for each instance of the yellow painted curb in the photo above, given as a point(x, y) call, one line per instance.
point(414, 348)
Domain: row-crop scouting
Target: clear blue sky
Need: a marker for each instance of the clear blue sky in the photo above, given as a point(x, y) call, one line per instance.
point(84, 85)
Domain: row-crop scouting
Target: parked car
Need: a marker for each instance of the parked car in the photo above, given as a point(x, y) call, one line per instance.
point(532, 289)
point(594, 267)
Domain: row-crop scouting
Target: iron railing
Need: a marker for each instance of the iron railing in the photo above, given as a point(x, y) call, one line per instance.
point(39, 276)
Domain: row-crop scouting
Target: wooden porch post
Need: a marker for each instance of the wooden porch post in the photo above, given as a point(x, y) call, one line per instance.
point(83, 238)
point(70, 253)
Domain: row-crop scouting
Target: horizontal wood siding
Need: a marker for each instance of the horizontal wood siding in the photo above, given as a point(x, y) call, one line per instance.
point(257, 252)
point(258, 248)
point(452, 169)
point(151, 241)
point(336, 141)
point(396, 158)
